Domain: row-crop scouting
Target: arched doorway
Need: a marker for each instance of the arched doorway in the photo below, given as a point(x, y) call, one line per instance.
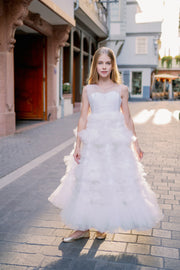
point(93, 49)
point(85, 61)
point(76, 68)
point(30, 74)
point(66, 62)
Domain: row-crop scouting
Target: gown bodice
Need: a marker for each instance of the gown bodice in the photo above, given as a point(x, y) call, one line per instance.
point(103, 102)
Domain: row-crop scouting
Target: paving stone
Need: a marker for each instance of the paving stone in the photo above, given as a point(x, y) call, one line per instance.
point(168, 196)
point(26, 148)
point(162, 233)
point(101, 265)
point(80, 264)
point(170, 226)
point(172, 264)
point(21, 259)
point(172, 213)
point(174, 219)
point(149, 232)
point(113, 246)
point(175, 235)
point(115, 257)
point(12, 267)
point(51, 251)
point(125, 238)
point(16, 247)
point(138, 248)
point(171, 243)
point(55, 263)
point(148, 260)
point(147, 268)
point(176, 207)
point(165, 252)
point(171, 201)
point(165, 206)
point(30, 227)
point(148, 240)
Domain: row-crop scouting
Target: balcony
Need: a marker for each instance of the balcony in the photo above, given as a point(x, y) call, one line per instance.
point(170, 65)
point(93, 14)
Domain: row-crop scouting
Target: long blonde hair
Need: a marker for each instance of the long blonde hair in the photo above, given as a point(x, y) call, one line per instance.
point(93, 76)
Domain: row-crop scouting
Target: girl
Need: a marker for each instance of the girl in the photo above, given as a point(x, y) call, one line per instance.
point(104, 185)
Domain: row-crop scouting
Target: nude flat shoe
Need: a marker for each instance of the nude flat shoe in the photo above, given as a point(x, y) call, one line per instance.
point(100, 236)
point(70, 239)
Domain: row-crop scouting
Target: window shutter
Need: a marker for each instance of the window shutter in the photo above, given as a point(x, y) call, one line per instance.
point(141, 45)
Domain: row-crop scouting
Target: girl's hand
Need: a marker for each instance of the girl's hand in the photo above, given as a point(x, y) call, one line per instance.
point(138, 150)
point(77, 155)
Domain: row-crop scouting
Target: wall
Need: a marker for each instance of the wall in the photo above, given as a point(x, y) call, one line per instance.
point(133, 27)
point(67, 6)
point(146, 80)
point(128, 54)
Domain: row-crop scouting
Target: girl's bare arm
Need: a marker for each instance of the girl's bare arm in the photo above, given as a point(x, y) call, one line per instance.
point(82, 122)
point(128, 118)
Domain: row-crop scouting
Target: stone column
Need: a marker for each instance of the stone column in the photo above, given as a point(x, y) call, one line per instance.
point(71, 60)
point(54, 42)
point(81, 64)
point(170, 90)
point(12, 14)
point(89, 56)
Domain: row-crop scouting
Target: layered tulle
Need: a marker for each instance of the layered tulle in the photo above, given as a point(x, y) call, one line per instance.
point(107, 190)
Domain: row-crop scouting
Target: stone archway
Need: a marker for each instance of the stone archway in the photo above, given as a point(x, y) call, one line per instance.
point(12, 16)
point(76, 67)
point(85, 61)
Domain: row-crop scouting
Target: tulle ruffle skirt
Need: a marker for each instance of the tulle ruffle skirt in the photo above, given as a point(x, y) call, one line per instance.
point(107, 190)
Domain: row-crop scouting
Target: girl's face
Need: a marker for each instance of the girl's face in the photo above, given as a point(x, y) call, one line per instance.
point(104, 66)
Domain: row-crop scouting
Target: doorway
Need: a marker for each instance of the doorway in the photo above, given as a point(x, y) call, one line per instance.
point(30, 77)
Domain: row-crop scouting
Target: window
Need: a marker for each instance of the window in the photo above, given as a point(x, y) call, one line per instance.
point(136, 83)
point(114, 12)
point(141, 45)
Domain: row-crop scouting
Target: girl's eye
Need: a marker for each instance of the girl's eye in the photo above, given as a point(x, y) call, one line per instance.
point(107, 63)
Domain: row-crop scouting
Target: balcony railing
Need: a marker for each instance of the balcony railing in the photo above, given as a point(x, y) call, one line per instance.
point(171, 65)
point(95, 7)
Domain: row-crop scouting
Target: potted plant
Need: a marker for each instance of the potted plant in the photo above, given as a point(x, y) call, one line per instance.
point(66, 88)
point(168, 60)
point(177, 57)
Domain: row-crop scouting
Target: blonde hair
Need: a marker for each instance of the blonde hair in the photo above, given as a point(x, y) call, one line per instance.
point(93, 76)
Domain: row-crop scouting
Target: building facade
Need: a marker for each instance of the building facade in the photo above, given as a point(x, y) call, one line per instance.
point(135, 45)
point(91, 27)
point(45, 46)
point(166, 78)
point(31, 33)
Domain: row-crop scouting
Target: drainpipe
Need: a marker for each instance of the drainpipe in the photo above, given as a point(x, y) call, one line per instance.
point(77, 5)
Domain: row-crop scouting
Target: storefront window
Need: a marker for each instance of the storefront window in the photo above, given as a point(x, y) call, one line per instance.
point(176, 85)
point(136, 83)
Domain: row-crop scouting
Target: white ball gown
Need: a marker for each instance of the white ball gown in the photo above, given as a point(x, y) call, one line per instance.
point(107, 189)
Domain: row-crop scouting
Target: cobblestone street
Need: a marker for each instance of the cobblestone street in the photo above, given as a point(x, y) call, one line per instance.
point(31, 164)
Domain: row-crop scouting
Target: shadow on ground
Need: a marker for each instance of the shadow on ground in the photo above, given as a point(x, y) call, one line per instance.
point(76, 257)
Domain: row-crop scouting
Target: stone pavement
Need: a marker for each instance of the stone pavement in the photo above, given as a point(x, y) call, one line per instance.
point(30, 227)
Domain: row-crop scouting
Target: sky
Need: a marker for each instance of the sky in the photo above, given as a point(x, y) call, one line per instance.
point(166, 11)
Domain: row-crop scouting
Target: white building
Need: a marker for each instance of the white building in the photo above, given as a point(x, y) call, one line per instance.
point(135, 45)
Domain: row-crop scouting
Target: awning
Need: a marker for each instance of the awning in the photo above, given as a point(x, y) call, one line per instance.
point(166, 76)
